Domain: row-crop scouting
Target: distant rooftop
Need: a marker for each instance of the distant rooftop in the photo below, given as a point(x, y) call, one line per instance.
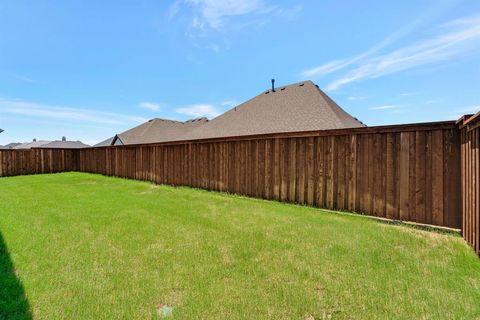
point(10, 145)
point(155, 131)
point(293, 108)
point(105, 143)
point(60, 144)
point(33, 144)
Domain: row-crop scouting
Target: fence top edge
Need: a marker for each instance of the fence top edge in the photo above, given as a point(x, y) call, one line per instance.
point(39, 148)
point(469, 120)
point(439, 125)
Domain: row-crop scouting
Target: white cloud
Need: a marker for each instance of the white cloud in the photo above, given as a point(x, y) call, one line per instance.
point(150, 106)
point(472, 109)
point(213, 13)
point(458, 37)
point(435, 11)
point(24, 79)
point(406, 94)
point(199, 110)
point(229, 103)
point(37, 110)
point(461, 111)
point(356, 98)
point(337, 65)
point(385, 107)
point(217, 15)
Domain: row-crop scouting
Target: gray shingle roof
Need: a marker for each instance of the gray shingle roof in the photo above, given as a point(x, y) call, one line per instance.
point(10, 145)
point(159, 130)
point(65, 145)
point(293, 108)
point(34, 144)
point(105, 143)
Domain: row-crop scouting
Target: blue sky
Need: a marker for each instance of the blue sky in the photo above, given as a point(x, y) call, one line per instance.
point(90, 69)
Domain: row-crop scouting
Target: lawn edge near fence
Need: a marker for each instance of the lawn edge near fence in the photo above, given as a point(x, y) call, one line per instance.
point(393, 222)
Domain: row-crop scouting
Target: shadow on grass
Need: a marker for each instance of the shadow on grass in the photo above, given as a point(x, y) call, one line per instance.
point(13, 302)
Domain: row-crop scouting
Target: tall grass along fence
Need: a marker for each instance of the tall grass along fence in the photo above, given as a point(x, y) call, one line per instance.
point(414, 172)
point(470, 131)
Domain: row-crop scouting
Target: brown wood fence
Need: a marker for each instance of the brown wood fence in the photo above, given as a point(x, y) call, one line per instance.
point(405, 172)
point(470, 150)
point(33, 161)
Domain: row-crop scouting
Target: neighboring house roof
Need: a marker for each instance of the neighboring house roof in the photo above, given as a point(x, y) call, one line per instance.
point(297, 107)
point(65, 145)
point(157, 130)
point(34, 144)
point(10, 145)
point(105, 143)
point(1, 130)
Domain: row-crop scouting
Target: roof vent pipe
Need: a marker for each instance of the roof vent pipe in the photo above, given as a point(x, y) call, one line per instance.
point(273, 85)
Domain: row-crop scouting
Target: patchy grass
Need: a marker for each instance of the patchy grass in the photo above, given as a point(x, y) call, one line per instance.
point(82, 246)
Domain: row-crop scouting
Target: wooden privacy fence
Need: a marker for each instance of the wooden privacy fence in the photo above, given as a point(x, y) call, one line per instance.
point(34, 161)
point(470, 150)
point(405, 172)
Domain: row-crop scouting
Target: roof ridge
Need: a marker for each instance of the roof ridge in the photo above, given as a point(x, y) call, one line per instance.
point(259, 95)
point(163, 119)
point(334, 107)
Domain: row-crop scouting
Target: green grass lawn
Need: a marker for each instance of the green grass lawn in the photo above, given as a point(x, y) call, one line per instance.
point(79, 246)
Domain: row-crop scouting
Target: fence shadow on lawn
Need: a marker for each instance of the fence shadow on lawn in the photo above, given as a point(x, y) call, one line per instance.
point(13, 302)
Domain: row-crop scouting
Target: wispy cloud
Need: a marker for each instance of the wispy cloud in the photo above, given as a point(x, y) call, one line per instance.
point(356, 98)
point(340, 64)
point(150, 106)
point(218, 15)
point(457, 37)
point(454, 38)
point(38, 110)
point(337, 65)
point(407, 94)
point(214, 13)
point(471, 109)
point(461, 111)
point(199, 110)
point(433, 13)
point(24, 78)
point(229, 103)
point(385, 107)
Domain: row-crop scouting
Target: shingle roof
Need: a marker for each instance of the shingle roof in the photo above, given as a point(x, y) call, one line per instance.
point(293, 108)
point(105, 143)
point(34, 144)
point(65, 145)
point(159, 130)
point(10, 145)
